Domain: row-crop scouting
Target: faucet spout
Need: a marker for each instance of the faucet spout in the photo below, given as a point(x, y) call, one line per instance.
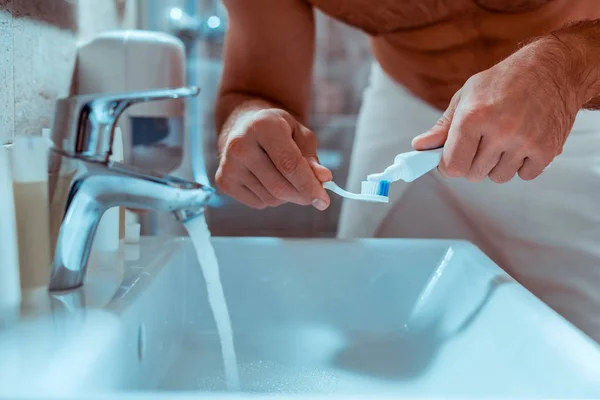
point(102, 187)
point(84, 182)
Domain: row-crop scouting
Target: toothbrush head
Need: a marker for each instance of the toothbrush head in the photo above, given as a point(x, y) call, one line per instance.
point(376, 188)
point(370, 191)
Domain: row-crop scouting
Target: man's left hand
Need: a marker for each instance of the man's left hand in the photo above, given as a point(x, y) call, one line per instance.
point(512, 118)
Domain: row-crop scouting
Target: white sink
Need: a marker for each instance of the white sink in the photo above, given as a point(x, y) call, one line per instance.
point(370, 317)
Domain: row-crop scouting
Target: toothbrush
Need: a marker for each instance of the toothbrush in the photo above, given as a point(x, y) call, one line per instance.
point(374, 191)
point(409, 166)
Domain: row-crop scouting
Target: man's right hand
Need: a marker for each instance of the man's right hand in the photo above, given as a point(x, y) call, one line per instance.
point(268, 159)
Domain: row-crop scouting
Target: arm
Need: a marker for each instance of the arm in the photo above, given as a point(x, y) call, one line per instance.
point(581, 44)
point(267, 156)
point(516, 116)
point(268, 56)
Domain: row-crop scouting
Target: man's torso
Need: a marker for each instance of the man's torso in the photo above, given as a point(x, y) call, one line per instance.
point(433, 46)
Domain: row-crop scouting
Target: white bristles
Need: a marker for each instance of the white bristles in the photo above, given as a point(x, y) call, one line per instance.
point(369, 187)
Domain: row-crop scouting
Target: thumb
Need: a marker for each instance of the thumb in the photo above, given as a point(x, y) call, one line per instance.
point(436, 136)
point(322, 173)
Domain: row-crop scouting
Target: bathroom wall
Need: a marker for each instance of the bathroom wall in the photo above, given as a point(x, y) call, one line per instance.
point(37, 53)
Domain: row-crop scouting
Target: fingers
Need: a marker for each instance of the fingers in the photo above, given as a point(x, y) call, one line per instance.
point(531, 169)
point(494, 127)
point(322, 173)
point(246, 196)
point(433, 138)
point(506, 168)
point(264, 171)
point(459, 150)
point(487, 157)
point(459, 137)
point(290, 162)
point(256, 187)
point(243, 186)
point(227, 180)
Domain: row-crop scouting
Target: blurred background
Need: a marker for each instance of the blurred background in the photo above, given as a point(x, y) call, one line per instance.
point(36, 64)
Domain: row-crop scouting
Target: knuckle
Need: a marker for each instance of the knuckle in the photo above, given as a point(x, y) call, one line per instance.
point(225, 185)
point(526, 175)
point(444, 120)
point(509, 127)
point(279, 190)
point(521, 143)
point(502, 141)
point(309, 138)
point(504, 137)
point(454, 169)
point(237, 147)
point(538, 148)
point(541, 155)
point(473, 117)
point(221, 180)
point(266, 120)
point(287, 164)
point(484, 109)
point(259, 125)
point(305, 189)
point(500, 178)
point(267, 113)
point(469, 132)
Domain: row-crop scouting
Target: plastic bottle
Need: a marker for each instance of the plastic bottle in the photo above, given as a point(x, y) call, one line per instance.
point(10, 288)
point(29, 162)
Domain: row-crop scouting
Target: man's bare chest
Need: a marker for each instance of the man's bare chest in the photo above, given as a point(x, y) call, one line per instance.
point(386, 16)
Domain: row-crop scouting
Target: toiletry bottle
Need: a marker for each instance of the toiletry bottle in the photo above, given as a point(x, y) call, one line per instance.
point(10, 290)
point(29, 160)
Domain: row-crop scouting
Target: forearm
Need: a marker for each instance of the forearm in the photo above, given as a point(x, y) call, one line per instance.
point(580, 42)
point(267, 59)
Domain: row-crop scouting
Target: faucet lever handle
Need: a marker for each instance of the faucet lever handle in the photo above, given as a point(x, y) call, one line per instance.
point(84, 125)
point(114, 104)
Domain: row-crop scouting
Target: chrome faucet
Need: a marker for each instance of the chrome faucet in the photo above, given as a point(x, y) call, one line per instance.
point(84, 182)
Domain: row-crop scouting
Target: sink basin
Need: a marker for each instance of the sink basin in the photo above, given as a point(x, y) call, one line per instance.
point(372, 317)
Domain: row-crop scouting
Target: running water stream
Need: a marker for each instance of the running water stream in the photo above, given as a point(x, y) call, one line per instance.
point(200, 235)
